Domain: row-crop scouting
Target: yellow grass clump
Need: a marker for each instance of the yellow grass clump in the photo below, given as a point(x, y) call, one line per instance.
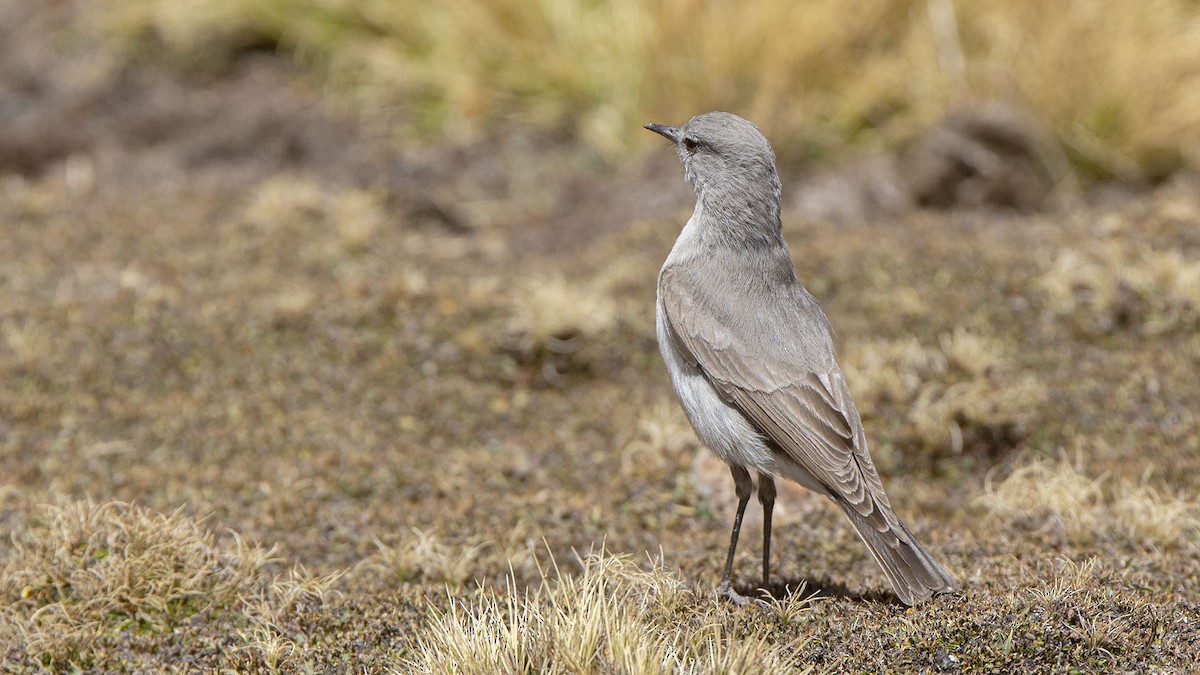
point(1057, 494)
point(949, 397)
point(1111, 284)
point(553, 306)
point(84, 579)
point(1118, 84)
point(660, 442)
point(295, 204)
point(84, 573)
point(613, 617)
point(424, 556)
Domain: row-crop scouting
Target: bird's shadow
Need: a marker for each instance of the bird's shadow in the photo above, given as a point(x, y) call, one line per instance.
point(815, 588)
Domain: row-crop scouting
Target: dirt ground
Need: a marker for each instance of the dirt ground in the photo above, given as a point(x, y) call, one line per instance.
point(407, 371)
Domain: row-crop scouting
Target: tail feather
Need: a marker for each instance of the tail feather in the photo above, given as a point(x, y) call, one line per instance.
point(914, 574)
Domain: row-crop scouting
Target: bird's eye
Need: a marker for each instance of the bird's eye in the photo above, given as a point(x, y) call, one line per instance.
point(690, 143)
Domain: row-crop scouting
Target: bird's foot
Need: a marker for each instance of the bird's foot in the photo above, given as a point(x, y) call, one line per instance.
point(725, 589)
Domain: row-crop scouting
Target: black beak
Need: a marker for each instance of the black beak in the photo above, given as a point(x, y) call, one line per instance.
point(669, 133)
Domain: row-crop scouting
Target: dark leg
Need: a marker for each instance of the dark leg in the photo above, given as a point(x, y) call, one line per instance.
point(766, 495)
point(743, 485)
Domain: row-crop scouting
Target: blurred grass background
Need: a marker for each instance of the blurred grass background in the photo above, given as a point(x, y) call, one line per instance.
point(1118, 84)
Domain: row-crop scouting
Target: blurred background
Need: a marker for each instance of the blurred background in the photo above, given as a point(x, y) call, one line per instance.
point(320, 320)
point(1113, 84)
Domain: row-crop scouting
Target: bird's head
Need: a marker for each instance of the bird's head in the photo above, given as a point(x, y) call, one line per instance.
point(724, 154)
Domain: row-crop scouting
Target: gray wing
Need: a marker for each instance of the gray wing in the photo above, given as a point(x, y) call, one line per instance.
point(768, 350)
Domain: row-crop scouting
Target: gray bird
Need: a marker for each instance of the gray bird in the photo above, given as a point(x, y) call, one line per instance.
point(750, 355)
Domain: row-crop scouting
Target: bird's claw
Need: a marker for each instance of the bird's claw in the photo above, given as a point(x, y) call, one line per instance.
point(725, 589)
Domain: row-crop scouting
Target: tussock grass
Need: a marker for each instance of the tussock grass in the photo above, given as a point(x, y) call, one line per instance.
point(1057, 494)
point(84, 573)
point(614, 616)
point(962, 393)
point(85, 581)
point(1116, 83)
point(292, 204)
point(266, 642)
point(1076, 591)
point(553, 309)
point(557, 326)
point(425, 557)
point(661, 441)
point(1108, 285)
point(285, 202)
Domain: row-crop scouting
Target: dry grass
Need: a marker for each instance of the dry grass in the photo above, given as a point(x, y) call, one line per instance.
point(1058, 495)
point(1115, 83)
point(961, 395)
point(1110, 284)
point(549, 311)
point(661, 443)
point(84, 575)
point(555, 325)
point(427, 559)
point(613, 616)
point(295, 204)
point(85, 585)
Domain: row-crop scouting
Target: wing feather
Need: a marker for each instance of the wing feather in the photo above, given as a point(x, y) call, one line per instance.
point(786, 383)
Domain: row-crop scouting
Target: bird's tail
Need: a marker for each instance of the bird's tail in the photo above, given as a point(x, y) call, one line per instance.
point(914, 574)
